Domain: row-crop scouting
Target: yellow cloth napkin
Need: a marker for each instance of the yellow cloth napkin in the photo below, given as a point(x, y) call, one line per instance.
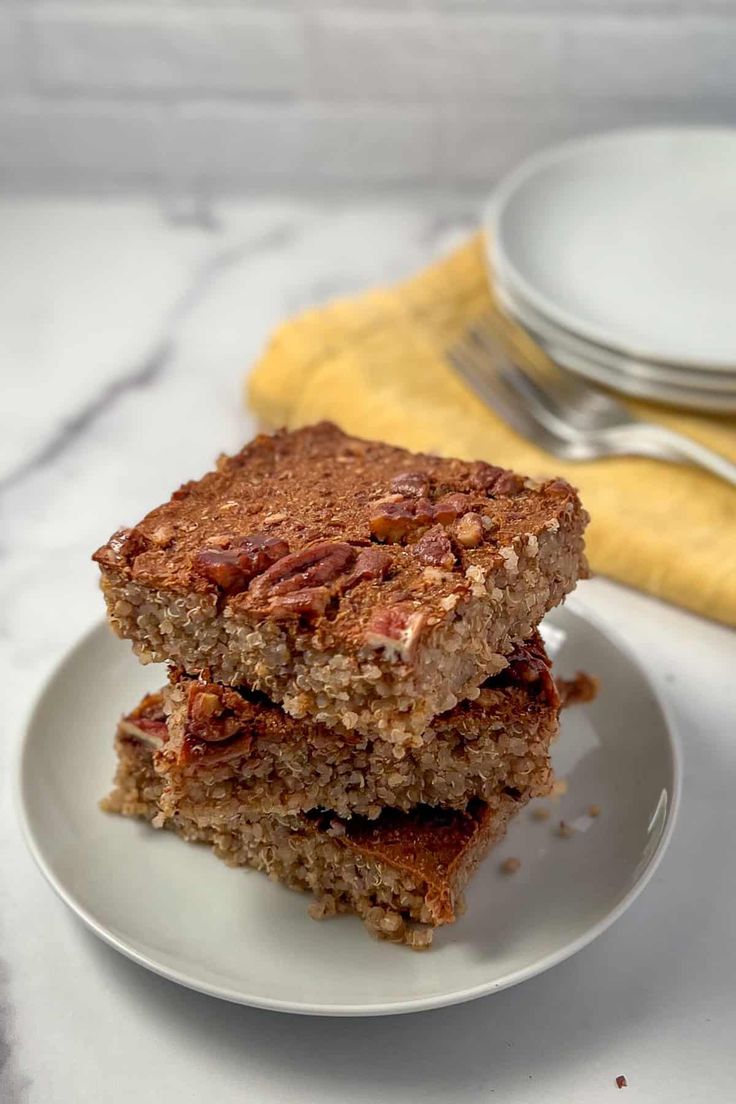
point(376, 365)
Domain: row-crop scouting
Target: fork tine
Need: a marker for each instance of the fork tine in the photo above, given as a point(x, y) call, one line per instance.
point(496, 392)
point(487, 389)
point(571, 400)
point(471, 363)
point(536, 398)
point(545, 405)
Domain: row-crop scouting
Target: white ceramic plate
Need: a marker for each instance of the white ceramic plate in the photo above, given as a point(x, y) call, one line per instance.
point(628, 239)
point(603, 366)
point(722, 383)
point(177, 910)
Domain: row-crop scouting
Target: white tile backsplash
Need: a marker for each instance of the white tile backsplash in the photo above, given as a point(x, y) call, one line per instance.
point(182, 51)
point(100, 143)
point(12, 69)
point(373, 55)
point(488, 57)
point(285, 93)
point(624, 59)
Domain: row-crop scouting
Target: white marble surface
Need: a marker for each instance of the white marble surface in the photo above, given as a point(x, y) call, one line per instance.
point(124, 337)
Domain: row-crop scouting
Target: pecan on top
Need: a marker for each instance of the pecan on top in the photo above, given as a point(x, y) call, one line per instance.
point(390, 521)
point(371, 564)
point(232, 568)
point(317, 565)
point(302, 583)
point(434, 549)
point(468, 530)
point(122, 548)
point(411, 484)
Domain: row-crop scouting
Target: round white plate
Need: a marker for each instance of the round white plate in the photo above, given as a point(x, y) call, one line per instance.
point(604, 367)
point(628, 239)
point(722, 383)
point(177, 910)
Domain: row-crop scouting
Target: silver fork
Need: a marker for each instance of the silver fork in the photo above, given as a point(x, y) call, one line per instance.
point(569, 418)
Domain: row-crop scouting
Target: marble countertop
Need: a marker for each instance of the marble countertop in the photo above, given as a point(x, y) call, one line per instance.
point(125, 334)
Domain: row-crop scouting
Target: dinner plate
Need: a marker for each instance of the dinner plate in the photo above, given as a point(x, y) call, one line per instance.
point(648, 371)
point(628, 239)
point(602, 366)
point(174, 908)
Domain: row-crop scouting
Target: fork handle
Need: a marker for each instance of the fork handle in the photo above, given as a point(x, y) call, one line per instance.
point(654, 440)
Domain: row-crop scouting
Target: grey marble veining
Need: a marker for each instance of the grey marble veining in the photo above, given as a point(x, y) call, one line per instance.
point(13, 1085)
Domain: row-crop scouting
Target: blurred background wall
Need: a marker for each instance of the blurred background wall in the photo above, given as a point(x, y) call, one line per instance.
point(198, 95)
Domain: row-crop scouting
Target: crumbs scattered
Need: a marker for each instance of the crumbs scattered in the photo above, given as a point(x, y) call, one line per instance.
point(541, 813)
point(621, 1082)
point(565, 830)
point(559, 787)
point(594, 810)
point(510, 866)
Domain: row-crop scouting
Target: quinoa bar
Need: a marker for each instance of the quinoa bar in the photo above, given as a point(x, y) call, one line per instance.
point(355, 583)
point(226, 750)
point(402, 873)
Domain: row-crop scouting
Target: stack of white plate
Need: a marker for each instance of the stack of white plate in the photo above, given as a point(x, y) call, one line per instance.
point(618, 254)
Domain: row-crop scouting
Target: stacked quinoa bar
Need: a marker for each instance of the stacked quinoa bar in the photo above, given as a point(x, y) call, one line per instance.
point(358, 698)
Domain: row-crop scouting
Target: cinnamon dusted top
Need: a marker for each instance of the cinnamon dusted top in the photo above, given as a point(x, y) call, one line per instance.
point(216, 723)
point(359, 540)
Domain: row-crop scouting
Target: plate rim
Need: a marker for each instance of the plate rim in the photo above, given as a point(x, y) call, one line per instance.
point(388, 1008)
point(636, 368)
point(586, 365)
point(499, 259)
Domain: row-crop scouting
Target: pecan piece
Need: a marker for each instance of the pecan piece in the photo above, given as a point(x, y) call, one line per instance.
point(149, 732)
point(233, 568)
point(484, 476)
point(204, 704)
point(220, 568)
point(424, 513)
point(450, 507)
point(310, 602)
point(396, 630)
point(392, 521)
point(469, 530)
point(508, 483)
point(372, 563)
point(212, 713)
point(122, 548)
point(412, 484)
point(320, 565)
point(434, 549)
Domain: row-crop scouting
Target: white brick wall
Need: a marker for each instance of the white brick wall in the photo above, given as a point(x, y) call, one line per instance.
point(73, 143)
point(286, 93)
point(136, 51)
point(11, 55)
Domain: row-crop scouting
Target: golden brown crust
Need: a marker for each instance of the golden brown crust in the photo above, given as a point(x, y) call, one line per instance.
point(345, 535)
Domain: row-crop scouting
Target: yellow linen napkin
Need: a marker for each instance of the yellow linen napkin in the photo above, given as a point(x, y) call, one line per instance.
point(376, 365)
